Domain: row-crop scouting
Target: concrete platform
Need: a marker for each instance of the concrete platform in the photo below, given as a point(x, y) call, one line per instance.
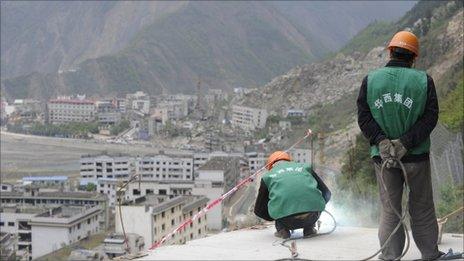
point(346, 243)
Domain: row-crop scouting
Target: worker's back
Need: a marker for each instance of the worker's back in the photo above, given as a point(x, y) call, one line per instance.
point(396, 98)
point(292, 189)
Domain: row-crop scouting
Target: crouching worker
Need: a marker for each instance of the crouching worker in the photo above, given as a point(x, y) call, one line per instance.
point(292, 194)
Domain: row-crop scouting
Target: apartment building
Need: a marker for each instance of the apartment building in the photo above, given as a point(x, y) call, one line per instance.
point(64, 110)
point(33, 226)
point(165, 167)
point(34, 198)
point(138, 101)
point(163, 188)
point(94, 167)
point(215, 177)
point(301, 155)
point(256, 156)
point(152, 217)
point(248, 118)
point(109, 187)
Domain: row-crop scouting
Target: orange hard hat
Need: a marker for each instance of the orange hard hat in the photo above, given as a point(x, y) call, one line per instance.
point(405, 40)
point(276, 156)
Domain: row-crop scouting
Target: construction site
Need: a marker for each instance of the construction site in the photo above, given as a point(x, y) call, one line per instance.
point(243, 130)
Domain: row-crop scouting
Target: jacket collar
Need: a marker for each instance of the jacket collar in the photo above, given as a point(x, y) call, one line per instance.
point(397, 63)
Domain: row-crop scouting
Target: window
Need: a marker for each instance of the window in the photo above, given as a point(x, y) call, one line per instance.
point(199, 220)
point(88, 221)
point(162, 214)
point(162, 227)
point(79, 226)
point(2, 223)
point(11, 224)
point(199, 231)
point(136, 192)
point(191, 235)
point(172, 222)
point(172, 210)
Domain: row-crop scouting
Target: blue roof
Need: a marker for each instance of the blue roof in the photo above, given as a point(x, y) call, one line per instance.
point(46, 178)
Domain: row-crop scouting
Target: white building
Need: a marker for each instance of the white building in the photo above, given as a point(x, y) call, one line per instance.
point(66, 110)
point(62, 226)
point(215, 177)
point(152, 217)
point(138, 101)
point(248, 118)
point(256, 156)
point(301, 155)
point(104, 166)
point(163, 188)
point(165, 167)
point(108, 187)
point(33, 226)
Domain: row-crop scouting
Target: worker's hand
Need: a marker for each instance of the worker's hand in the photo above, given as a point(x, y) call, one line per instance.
point(309, 132)
point(399, 148)
point(387, 152)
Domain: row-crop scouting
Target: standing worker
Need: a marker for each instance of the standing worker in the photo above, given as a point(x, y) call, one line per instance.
point(397, 111)
point(292, 194)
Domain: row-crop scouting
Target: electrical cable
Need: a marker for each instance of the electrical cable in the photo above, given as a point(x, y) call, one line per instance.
point(402, 216)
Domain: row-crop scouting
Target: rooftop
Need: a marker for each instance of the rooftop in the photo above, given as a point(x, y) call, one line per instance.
point(220, 163)
point(83, 195)
point(71, 101)
point(346, 243)
point(46, 178)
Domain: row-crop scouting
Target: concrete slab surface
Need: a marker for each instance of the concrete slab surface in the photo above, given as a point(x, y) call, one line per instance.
point(346, 243)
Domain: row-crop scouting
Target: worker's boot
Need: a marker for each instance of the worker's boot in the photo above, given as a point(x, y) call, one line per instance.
point(307, 232)
point(283, 233)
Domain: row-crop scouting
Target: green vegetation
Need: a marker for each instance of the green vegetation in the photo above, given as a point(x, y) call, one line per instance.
point(119, 127)
point(68, 130)
point(357, 186)
point(91, 187)
point(452, 108)
point(451, 198)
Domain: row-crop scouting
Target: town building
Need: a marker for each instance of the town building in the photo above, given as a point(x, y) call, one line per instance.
point(107, 112)
point(6, 187)
point(120, 104)
point(163, 188)
point(153, 216)
point(248, 118)
point(114, 245)
point(66, 109)
point(32, 226)
point(67, 224)
point(165, 167)
point(94, 167)
point(34, 198)
point(8, 244)
point(256, 156)
point(109, 187)
point(215, 177)
point(58, 182)
point(138, 101)
point(300, 155)
point(295, 113)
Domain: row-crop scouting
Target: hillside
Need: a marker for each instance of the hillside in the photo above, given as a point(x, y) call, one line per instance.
point(123, 47)
point(327, 89)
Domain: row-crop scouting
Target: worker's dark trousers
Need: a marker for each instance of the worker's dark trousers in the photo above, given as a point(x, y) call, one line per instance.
point(301, 220)
point(421, 209)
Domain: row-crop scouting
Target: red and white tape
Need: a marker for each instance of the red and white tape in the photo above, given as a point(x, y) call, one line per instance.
point(219, 200)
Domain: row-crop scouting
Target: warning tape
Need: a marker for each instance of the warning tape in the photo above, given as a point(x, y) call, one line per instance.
point(220, 199)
